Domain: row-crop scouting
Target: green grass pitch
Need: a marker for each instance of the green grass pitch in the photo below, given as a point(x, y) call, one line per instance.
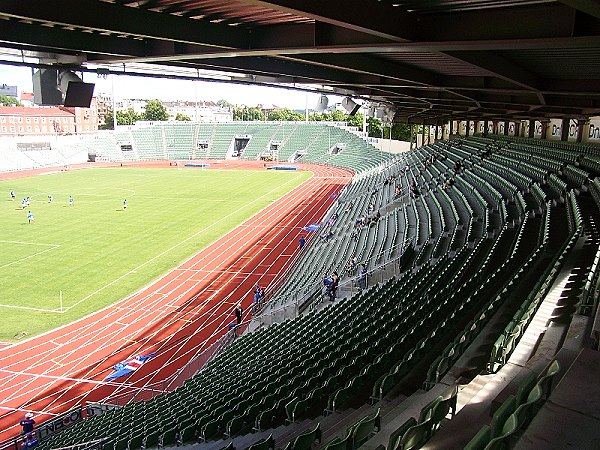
point(82, 249)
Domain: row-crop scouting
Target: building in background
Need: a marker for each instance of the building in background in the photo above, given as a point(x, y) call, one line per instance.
point(103, 107)
point(44, 121)
point(8, 90)
point(86, 119)
point(26, 98)
point(24, 121)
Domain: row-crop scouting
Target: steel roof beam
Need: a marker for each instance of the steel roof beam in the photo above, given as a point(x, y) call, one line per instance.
point(590, 7)
point(108, 17)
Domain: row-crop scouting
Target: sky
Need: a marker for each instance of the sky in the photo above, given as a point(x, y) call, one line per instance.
point(167, 89)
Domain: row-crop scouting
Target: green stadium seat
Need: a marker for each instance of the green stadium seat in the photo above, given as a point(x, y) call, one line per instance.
point(502, 414)
point(416, 436)
point(306, 440)
point(545, 382)
point(365, 428)
point(480, 440)
point(502, 442)
point(263, 444)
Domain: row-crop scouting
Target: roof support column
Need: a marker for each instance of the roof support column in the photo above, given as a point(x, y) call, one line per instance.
point(564, 130)
point(531, 129)
point(544, 123)
point(580, 125)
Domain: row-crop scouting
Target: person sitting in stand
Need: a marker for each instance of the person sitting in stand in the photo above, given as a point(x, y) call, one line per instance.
point(334, 286)
point(328, 285)
point(351, 265)
point(30, 441)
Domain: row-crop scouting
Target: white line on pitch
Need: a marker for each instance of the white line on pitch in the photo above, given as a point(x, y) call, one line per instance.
point(30, 256)
point(29, 308)
point(29, 243)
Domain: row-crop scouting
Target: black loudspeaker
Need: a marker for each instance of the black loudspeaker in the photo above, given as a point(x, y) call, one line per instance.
point(45, 87)
point(64, 87)
point(79, 94)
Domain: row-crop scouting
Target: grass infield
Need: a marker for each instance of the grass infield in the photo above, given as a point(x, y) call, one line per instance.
point(82, 249)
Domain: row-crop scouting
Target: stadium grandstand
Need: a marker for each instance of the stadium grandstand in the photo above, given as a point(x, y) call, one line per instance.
point(446, 297)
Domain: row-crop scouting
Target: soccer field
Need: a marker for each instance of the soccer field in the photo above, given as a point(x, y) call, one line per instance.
point(95, 252)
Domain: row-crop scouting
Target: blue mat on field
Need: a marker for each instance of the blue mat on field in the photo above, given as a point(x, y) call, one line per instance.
point(124, 368)
point(283, 168)
point(197, 165)
point(311, 227)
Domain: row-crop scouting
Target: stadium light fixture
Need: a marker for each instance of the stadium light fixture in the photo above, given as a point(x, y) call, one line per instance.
point(350, 106)
point(74, 91)
point(388, 115)
point(322, 103)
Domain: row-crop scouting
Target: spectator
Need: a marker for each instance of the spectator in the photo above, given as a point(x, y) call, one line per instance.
point(238, 313)
point(258, 294)
point(351, 265)
point(30, 441)
point(328, 283)
point(327, 235)
point(334, 286)
point(27, 424)
point(361, 281)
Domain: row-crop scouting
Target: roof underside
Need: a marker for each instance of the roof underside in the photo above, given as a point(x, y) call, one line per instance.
point(432, 59)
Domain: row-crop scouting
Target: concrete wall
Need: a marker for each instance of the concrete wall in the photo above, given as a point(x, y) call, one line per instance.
point(390, 145)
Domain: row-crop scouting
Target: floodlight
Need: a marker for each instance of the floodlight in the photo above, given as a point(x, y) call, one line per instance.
point(388, 114)
point(322, 103)
point(371, 110)
point(350, 106)
point(45, 90)
point(74, 91)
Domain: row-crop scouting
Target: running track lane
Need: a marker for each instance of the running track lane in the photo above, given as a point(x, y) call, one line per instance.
point(177, 316)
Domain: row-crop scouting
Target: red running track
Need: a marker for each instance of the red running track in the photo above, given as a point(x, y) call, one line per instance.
point(177, 316)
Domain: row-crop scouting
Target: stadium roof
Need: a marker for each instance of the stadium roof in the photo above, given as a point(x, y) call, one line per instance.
point(431, 59)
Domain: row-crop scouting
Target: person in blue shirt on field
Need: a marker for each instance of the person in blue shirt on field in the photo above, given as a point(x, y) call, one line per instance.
point(70, 200)
point(301, 242)
point(30, 217)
